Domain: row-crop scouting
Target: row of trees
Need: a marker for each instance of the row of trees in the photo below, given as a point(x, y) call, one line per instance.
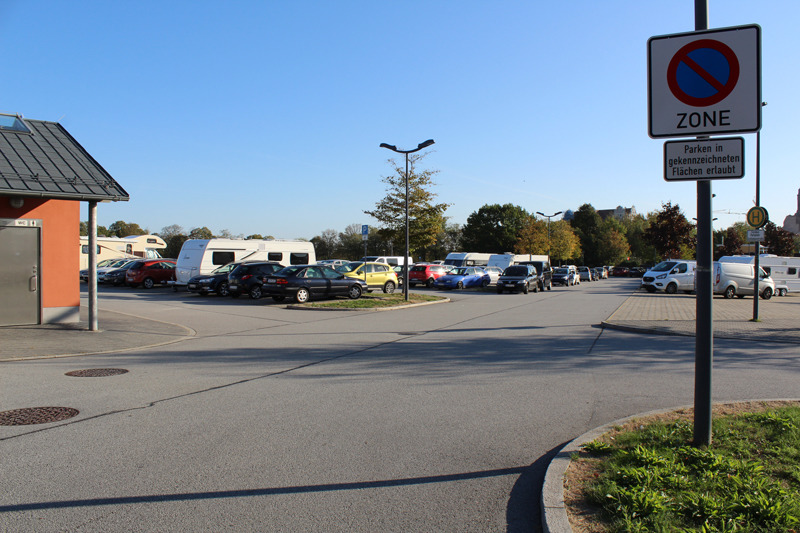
point(584, 238)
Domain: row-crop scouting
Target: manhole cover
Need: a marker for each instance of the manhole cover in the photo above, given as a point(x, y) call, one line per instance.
point(36, 415)
point(96, 372)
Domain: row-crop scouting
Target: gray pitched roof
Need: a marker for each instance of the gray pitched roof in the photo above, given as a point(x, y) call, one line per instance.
point(49, 163)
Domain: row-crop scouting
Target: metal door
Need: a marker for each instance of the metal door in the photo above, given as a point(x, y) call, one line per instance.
point(19, 275)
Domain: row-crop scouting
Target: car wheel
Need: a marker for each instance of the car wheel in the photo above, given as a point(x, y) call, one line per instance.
point(355, 292)
point(459, 285)
point(767, 294)
point(535, 288)
point(222, 289)
point(730, 292)
point(485, 283)
point(781, 292)
point(255, 292)
point(525, 289)
point(671, 288)
point(148, 283)
point(302, 295)
point(388, 287)
point(429, 283)
point(550, 286)
point(279, 298)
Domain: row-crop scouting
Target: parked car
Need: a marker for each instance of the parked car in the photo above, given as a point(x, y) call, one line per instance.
point(563, 276)
point(148, 272)
point(426, 274)
point(597, 272)
point(585, 274)
point(117, 276)
point(636, 272)
point(216, 281)
point(545, 272)
point(463, 277)
point(400, 272)
point(84, 274)
point(494, 273)
point(333, 263)
point(518, 278)
point(376, 275)
point(619, 272)
point(576, 278)
point(248, 277)
point(304, 282)
point(736, 279)
point(670, 276)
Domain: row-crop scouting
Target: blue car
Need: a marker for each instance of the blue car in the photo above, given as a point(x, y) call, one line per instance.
point(463, 277)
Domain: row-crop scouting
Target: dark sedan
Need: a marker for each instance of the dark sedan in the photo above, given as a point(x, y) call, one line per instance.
point(216, 281)
point(518, 278)
point(117, 277)
point(563, 276)
point(304, 282)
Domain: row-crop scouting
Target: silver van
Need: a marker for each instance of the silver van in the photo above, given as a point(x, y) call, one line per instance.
point(736, 279)
point(670, 276)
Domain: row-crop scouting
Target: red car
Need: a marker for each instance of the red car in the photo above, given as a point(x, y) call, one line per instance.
point(426, 274)
point(148, 272)
point(618, 272)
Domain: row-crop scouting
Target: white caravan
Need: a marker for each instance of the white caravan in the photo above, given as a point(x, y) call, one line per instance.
point(201, 256)
point(784, 271)
point(132, 247)
point(393, 260)
point(460, 259)
point(504, 261)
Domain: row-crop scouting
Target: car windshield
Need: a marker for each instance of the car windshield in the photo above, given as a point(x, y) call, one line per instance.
point(516, 271)
point(224, 268)
point(663, 266)
point(289, 271)
point(349, 267)
point(459, 272)
point(562, 271)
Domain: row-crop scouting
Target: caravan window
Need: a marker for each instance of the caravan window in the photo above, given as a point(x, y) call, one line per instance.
point(298, 259)
point(85, 249)
point(791, 271)
point(277, 256)
point(222, 258)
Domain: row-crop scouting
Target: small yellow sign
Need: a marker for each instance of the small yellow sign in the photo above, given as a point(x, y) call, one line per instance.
point(757, 217)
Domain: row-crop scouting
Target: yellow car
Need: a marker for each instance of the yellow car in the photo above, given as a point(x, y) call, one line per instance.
point(377, 275)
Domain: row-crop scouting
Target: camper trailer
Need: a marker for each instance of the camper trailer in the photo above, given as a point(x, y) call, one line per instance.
point(460, 259)
point(506, 260)
point(201, 256)
point(133, 247)
point(784, 271)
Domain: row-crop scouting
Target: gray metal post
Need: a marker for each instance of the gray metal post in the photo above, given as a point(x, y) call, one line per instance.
point(93, 322)
point(405, 259)
point(704, 340)
point(758, 244)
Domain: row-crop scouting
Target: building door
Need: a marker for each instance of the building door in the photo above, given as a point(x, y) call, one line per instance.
point(19, 275)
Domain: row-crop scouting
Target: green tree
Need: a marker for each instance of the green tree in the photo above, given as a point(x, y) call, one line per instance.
point(586, 223)
point(642, 252)
point(612, 245)
point(124, 229)
point(493, 228)
point(254, 237)
point(174, 245)
point(779, 241)
point(532, 237)
point(102, 231)
point(326, 244)
point(425, 218)
point(350, 245)
point(731, 243)
point(201, 233)
point(448, 240)
point(670, 233)
point(564, 243)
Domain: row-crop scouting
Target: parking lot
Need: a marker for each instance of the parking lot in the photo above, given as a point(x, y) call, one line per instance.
point(244, 415)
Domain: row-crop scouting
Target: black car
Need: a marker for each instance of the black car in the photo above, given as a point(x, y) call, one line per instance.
point(545, 273)
point(117, 277)
point(216, 282)
point(563, 276)
point(303, 282)
point(249, 277)
point(518, 278)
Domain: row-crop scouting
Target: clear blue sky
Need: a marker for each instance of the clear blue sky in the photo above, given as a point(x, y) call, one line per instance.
point(265, 117)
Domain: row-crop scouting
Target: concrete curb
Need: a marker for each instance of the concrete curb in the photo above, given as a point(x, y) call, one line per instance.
point(554, 511)
point(369, 309)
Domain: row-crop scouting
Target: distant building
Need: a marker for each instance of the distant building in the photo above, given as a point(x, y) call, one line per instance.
point(620, 213)
point(569, 214)
point(792, 222)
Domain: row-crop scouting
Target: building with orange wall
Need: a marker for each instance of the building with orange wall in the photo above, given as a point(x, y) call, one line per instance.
point(44, 174)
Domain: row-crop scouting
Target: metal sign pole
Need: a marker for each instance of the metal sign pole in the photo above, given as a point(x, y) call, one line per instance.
point(704, 340)
point(758, 243)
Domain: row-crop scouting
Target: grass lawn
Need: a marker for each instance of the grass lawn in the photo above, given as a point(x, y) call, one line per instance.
point(647, 476)
point(375, 300)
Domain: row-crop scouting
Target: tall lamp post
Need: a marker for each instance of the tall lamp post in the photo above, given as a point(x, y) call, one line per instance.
point(406, 152)
point(548, 217)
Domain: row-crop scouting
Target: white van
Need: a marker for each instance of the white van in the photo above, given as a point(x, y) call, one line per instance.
point(670, 276)
point(201, 256)
point(784, 271)
point(736, 279)
point(393, 260)
point(460, 259)
point(504, 261)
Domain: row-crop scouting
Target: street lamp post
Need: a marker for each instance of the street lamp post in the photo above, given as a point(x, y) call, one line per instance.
point(548, 217)
point(406, 152)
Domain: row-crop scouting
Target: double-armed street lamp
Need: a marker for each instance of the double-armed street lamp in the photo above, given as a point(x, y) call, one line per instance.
point(548, 217)
point(406, 152)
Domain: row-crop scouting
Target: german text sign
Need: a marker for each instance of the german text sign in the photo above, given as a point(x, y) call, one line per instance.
point(707, 159)
point(704, 82)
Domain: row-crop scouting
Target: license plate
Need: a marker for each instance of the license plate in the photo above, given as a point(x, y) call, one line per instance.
point(233, 287)
point(270, 281)
point(192, 285)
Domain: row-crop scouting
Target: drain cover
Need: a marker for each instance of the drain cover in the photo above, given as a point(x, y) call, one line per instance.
point(96, 372)
point(36, 415)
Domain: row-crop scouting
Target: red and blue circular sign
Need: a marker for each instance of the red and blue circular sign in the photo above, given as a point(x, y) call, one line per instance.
point(703, 73)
